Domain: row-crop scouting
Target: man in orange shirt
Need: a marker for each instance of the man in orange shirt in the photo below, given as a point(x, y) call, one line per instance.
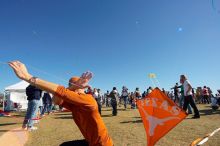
point(83, 107)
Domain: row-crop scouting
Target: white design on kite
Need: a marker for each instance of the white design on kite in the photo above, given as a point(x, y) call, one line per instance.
point(154, 121)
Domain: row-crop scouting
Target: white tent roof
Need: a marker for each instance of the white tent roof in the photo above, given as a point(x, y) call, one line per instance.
point(20, 86)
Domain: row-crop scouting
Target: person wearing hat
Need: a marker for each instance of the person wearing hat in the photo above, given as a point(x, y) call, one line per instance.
point(83, 106)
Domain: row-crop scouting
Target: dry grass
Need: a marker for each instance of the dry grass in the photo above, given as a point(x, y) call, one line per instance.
point(126, 129)
point(8, 123)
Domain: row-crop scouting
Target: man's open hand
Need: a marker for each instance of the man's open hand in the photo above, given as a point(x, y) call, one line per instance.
point(20, 70)
point(84, 79)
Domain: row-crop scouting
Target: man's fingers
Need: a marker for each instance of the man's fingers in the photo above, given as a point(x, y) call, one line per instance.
point(87, 75)
point(90, 75)
point(12, 65)
point(16, 65)
point(83, 75)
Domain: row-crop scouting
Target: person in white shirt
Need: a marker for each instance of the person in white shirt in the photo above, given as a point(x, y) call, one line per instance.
point(97, 97)
point(188, 98)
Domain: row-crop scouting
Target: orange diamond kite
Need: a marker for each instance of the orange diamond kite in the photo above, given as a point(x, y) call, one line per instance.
point(159, 114)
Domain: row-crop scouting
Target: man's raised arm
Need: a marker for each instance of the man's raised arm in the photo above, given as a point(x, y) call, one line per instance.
point(22, 73)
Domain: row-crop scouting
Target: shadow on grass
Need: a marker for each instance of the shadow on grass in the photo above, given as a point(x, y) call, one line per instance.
point(190, 118)
point(67, 117)
point(75, 143)
point(4, 131)
point(106, 115)
point(63, 114)
point(134, 122)
point(209, 112)
point(123, 109)
point(117, 109)
point(136, 117)
point(6, 124)
point(104, 109)
point(19, 116)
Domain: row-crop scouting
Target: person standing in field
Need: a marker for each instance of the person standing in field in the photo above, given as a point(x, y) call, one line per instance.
point(33, 96)
point(188, 99)
point(205, 92)
point(114, 95)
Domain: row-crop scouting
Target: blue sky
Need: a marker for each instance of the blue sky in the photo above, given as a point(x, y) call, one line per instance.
point(120, 41)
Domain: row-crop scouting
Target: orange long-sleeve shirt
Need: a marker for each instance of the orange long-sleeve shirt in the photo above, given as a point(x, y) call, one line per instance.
point(86, 116)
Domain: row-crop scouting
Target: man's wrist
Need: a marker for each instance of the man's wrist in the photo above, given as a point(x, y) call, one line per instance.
point(29, 77)
point(32, 80)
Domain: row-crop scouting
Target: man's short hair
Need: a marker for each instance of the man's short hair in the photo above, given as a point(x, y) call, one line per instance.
point(183, 77)
point(73, 80)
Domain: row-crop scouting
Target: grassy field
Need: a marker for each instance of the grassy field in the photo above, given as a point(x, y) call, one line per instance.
point(126, 129)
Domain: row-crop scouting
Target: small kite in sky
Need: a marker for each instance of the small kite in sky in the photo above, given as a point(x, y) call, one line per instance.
point(34, 32)
point(180, 29)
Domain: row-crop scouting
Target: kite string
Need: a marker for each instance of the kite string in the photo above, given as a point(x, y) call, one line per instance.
point(158, 83)
point(1, 62)
point(39, 70)
point(46, 73)
point(54, 76)
point(152, 83)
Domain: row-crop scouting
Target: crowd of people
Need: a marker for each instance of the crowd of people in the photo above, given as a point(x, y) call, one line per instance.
point(40, 102)
point(197, 95)
point(115, 98)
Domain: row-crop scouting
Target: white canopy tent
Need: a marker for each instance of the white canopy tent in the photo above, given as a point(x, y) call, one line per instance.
point(16, 94)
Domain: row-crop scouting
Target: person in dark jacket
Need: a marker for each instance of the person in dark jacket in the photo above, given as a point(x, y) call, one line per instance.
point(176, 92)
point(47, 102)
point(113, 96)
point(33, 97)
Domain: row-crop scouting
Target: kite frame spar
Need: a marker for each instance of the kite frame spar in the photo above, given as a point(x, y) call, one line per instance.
point(201, 141)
